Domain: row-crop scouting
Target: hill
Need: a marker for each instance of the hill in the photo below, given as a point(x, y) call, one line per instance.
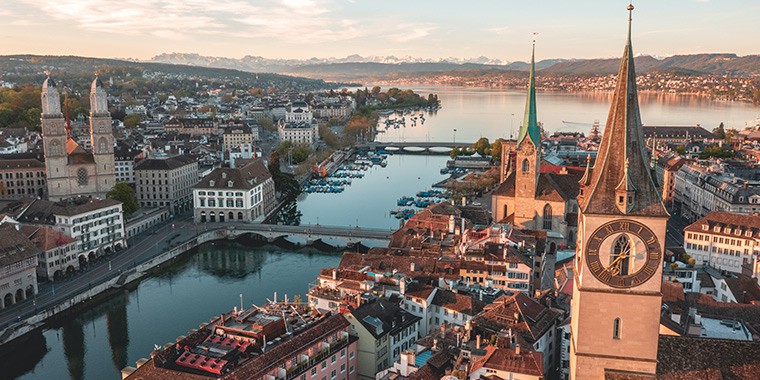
point(31, 69)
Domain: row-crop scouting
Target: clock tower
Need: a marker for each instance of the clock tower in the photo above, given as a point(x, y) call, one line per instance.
point(621, 235)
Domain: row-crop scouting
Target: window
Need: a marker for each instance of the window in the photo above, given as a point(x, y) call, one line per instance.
point(82, 178)
point(548, 217)
point(620, 257)
point(525, 166)
point(616, 329)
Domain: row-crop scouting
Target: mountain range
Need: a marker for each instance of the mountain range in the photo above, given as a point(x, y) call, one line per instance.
point(356, 67)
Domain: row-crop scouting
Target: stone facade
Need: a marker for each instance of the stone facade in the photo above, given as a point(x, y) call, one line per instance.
point(71, 169)
point(18, 263)
point(22, 178)
point(166, 182)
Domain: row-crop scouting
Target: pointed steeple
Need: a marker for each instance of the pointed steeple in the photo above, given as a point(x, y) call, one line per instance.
point(529, 126)
point(622, 158)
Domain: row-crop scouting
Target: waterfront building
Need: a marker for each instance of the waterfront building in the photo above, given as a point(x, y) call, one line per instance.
point(58, 251)
point(166, 182)
point(18, 266)
point(96, 224)
point(72, 170)
point(533, 195)
point(677, 135)
point(124, 160)
point(724, 241)
point(700, 190)
point(616, 301)
point(277, 341)
point(21, 178)
point(385, 331)
point(194, 127)
point(243, 194)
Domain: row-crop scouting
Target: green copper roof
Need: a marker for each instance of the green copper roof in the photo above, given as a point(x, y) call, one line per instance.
point(529, 126)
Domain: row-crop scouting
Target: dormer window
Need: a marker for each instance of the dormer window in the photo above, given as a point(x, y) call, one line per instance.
point(727, 230)
point(211, 183)
point(716, 229)
point(748, 233)
point(705, 227)
point(230, 183)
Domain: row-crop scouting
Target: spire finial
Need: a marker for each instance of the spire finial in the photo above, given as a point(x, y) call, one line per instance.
point(534, 38)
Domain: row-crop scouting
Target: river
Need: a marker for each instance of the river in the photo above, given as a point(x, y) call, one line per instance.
point(97, 343)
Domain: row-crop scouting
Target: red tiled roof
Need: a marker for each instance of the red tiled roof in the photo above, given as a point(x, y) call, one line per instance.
point(507, 359)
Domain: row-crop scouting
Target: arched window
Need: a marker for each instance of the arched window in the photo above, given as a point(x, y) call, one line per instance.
point(548, 217)
point(55, 148)
point(616, 329)
point(505, 211)
point(621, 256)
point(82, 178)
point(525, 165)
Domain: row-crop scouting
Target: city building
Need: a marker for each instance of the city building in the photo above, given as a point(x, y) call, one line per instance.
point(499, 266)
point(234, 194)
point(723, 240)
point(166, 182)
point(280, 341)
point(71, 170)
point(124, 160)
point(677, 135)
point(385, 331)
point(700, 190)
point(666, 168)
point(506, 363)
point(531, 194)
point(21, 178)
point(199, 126)
point(96, 224)
point(616, 302)
point(298, 125)
point(238, 136)
point(18, 266)
point(58, 251)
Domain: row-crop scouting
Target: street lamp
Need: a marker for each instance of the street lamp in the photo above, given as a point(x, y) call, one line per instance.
point(512, 127)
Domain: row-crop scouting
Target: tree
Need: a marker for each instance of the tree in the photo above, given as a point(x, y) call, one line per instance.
point(719, 131)
point(267, 124)
point(496, 148)
point(124, 193)
point(454, 152)
point(481, 145)
point(131, 121)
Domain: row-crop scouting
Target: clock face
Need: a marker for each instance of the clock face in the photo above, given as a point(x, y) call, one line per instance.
point(623, 254)
point(527, 146)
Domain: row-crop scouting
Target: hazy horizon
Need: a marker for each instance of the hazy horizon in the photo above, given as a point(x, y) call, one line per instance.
point(303, 29)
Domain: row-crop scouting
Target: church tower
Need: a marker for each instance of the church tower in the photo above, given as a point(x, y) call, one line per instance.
point(528, 155)
point(54, 138)
point(621, 235)
point(101, 137)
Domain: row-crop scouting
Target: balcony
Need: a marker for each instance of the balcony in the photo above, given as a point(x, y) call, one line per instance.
point(321, 355)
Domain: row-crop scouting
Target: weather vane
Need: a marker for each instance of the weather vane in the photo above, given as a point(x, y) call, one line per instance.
point(534, 37)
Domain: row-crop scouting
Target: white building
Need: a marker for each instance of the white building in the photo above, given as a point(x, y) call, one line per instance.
point(234, 194)
point(96, 224)
point(724, 240)
point(124, 164)
point(298, 125)
point(58, 251)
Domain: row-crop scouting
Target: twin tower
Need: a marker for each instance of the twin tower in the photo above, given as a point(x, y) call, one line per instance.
point(72, 170)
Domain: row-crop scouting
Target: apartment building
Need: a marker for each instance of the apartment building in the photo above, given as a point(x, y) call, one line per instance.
point(166, 182)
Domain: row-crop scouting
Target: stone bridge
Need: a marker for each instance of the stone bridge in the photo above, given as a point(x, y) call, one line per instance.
point(336, 236)
point(415, 147)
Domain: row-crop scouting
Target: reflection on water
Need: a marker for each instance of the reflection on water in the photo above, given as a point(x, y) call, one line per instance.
point(98, 342)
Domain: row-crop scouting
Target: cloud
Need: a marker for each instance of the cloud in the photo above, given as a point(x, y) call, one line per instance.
point(411, 31)
point(292, 21)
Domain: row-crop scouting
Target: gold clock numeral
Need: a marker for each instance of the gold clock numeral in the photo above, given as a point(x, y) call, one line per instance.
point(654, 255)
point(593, 252)
point(609, 229)
point(624, 226)
point(595, 266)
point(605, 276)
point(649, 270)
point(652, 240)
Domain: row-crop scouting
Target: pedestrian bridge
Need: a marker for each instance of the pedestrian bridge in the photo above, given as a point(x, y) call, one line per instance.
point(337, 236)
point(415, 147)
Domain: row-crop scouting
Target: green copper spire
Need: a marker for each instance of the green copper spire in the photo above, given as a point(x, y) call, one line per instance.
point(529, 126)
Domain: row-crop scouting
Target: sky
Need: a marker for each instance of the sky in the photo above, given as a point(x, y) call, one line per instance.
point(432, 29)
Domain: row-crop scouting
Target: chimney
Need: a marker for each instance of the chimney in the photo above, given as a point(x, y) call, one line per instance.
point(411, 267)
point(402, 286)
point(477, 341)
point(443, 330)
point(334, 274)
point(464, 201)
point(517, 349)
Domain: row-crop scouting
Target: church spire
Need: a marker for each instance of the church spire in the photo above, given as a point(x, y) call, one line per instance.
point(529, 126)
point(622, 158)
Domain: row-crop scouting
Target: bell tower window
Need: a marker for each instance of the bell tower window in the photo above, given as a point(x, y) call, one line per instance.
point(525, 166)
point(616, 329)
point(621, 256)
point(82, 178)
